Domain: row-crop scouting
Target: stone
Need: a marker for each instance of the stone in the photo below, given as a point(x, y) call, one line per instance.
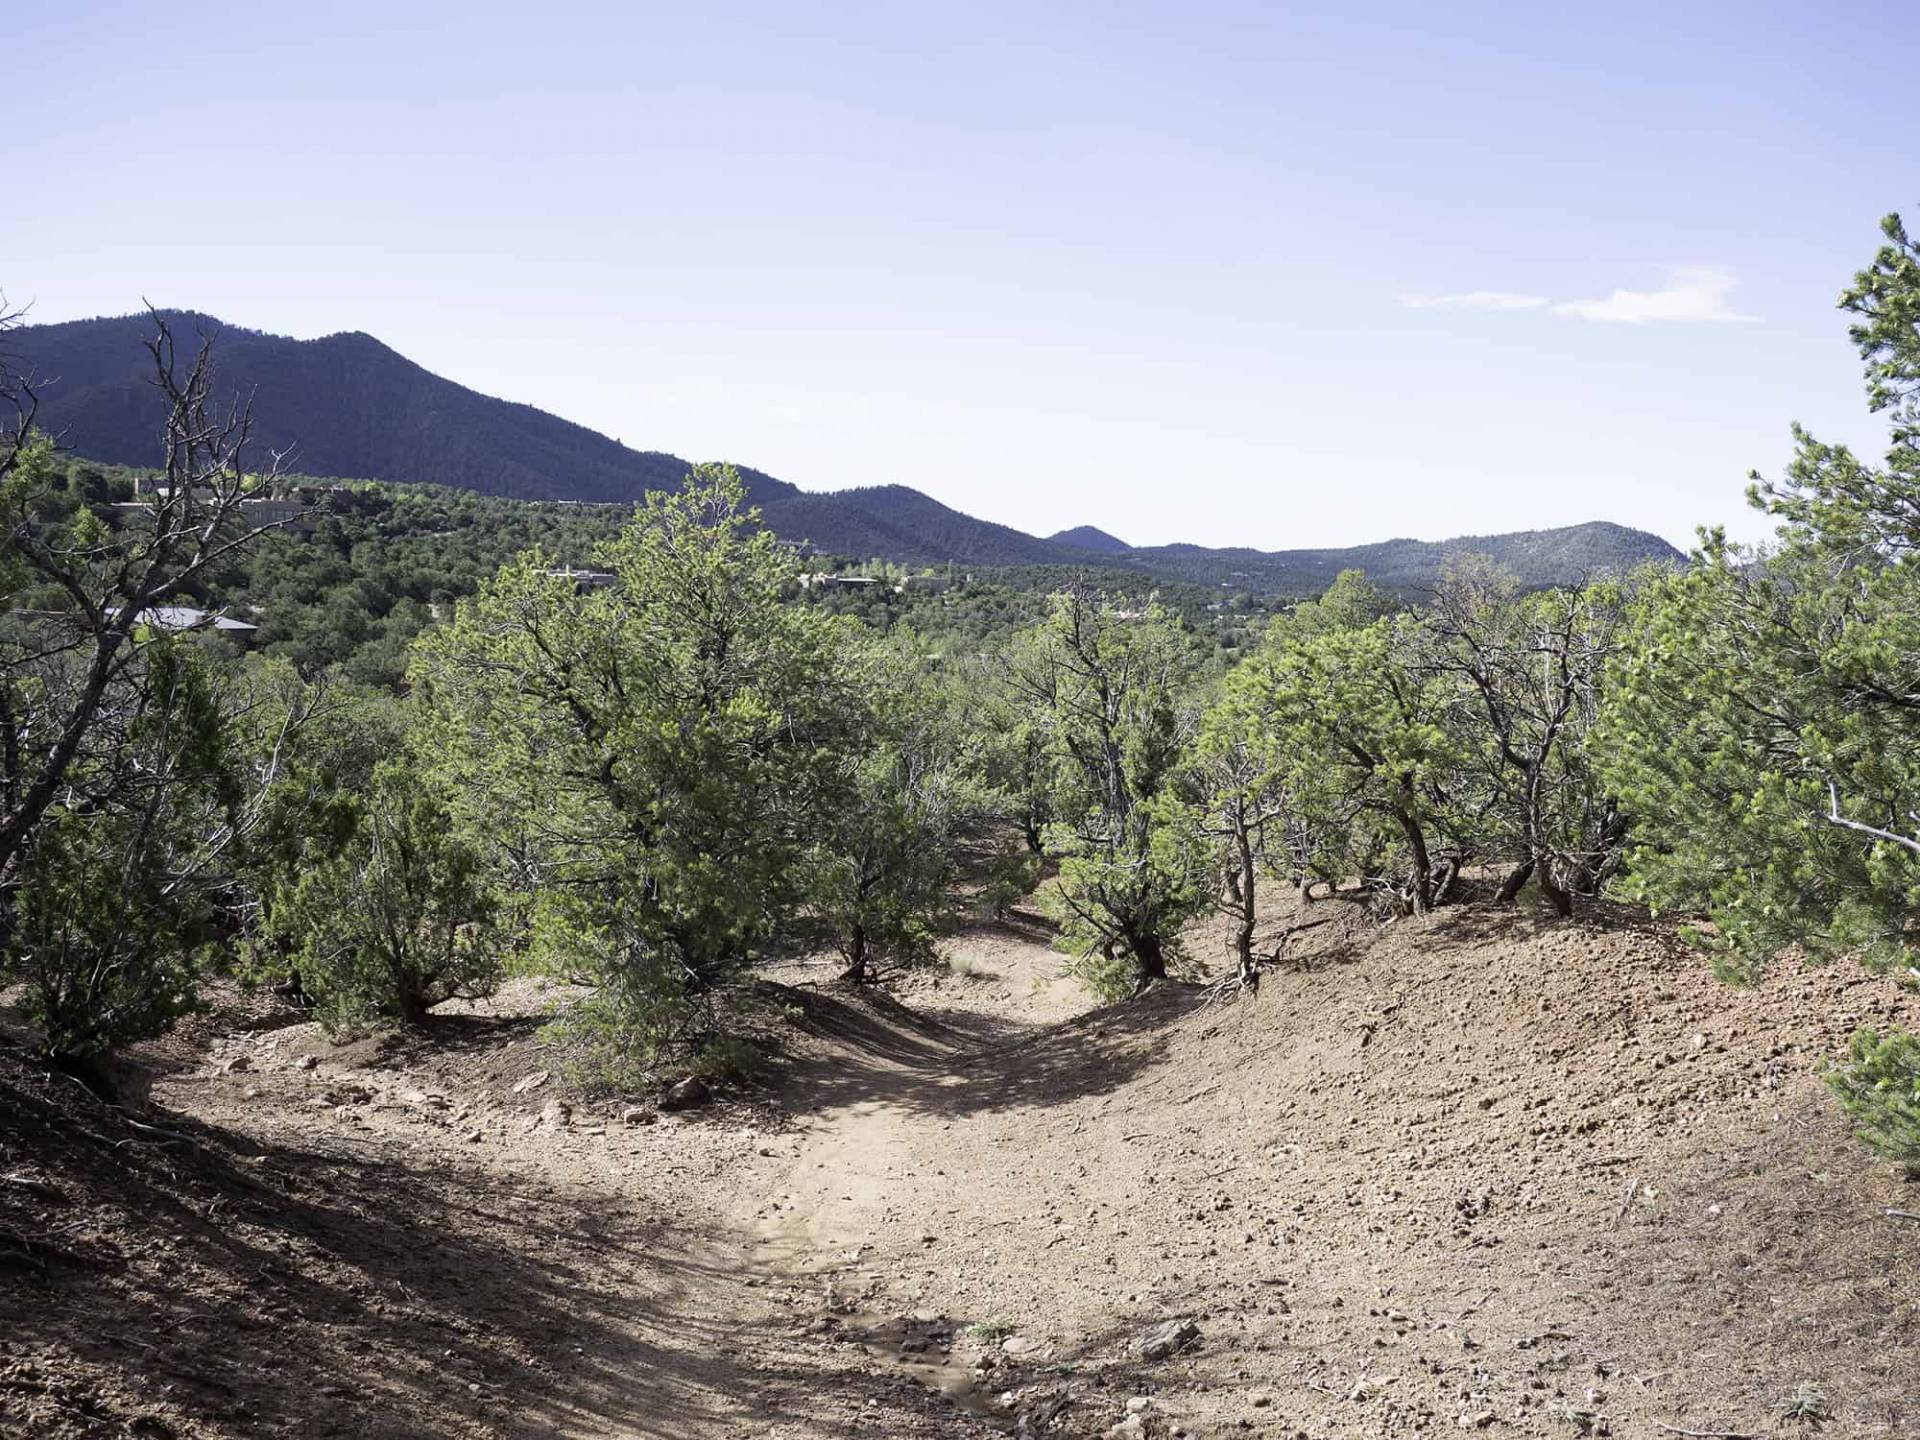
point(685, 1093)
point(1168, 1339)
point(531, 1082)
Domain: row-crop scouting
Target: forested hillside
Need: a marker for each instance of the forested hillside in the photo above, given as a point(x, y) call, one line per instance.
point(1089, 537)
point(343, 405)
point(1410, 567)
point(901, 524)
point(347, 405)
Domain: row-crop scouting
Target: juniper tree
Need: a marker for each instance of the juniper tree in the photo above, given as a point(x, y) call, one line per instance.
point(655, 751)
point(1108, 687)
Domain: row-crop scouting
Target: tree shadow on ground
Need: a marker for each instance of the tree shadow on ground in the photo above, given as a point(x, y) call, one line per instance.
point(1471, 926)
point(189, 1279)
point(879, 1050)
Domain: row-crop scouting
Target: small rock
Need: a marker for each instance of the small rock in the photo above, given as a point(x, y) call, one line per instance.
point(1168, 1339)
point(237, 1064)
point(307, 1062)
point(532, 1082)
point(556, 1115)
point(684, 1093)
point(638, 1115)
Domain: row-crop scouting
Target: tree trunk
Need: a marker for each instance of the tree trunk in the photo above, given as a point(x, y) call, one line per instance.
point(1556, 896)
point(1422, 865)
point(856, 970)
point(1516, 878)
point(1245, 878)
point(1149, 959)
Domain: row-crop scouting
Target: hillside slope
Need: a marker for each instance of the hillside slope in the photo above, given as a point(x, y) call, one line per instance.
point(347, 405)
point(1090, 537)
point(343, 405)
point(1536, 557)
point(1475, 1171)
point(896, 523)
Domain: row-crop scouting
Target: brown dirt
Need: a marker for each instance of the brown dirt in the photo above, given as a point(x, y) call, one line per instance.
point(1473, 1171)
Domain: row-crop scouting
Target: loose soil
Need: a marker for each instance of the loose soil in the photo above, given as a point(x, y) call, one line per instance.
point(1478, 1171)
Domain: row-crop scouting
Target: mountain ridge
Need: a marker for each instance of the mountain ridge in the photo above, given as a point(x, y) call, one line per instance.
point(347, 404)
point(1091, 537)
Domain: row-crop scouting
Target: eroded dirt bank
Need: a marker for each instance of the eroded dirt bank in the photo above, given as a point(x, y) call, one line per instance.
point(1475, 1171)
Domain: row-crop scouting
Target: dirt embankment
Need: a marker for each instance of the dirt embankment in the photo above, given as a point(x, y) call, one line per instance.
point(1474, 1171)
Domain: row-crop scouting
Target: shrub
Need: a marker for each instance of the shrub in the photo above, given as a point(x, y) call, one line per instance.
point(398, 917)
point(118, 893)
point(1879, 1087)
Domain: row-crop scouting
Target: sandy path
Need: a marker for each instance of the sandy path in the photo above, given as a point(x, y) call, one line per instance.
point(888, 1149)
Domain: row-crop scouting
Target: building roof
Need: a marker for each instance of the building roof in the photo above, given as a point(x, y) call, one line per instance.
point(185, 617)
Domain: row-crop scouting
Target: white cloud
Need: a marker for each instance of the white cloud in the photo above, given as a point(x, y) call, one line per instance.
point(1475, 300)
point(1694, 294)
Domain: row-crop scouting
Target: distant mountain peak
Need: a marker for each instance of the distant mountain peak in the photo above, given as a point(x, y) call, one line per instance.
point(349, 406)
point(344, 405)
point(1089, 537)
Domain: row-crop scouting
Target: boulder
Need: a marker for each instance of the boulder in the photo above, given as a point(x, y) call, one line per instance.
point(685, 1093)
point(1166, 1340)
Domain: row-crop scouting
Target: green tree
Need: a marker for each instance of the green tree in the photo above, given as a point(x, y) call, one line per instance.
point(1762, 725)
point(881, 864)
point(654, 752)
point(120, 891)
point(121, 798)
point(390, 911)
point(1356, 723)
point(1108, 685)
point(1352, 602)
point(1523, 676)
point(1241, 798)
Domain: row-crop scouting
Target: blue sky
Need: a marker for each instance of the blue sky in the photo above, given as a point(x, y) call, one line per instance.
point(1274, 275)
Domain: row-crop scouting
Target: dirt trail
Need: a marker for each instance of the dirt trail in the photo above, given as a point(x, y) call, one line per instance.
point(834, 1229)
point(1477, 1171)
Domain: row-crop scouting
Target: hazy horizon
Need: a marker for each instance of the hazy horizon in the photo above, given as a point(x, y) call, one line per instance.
point(1283, 280)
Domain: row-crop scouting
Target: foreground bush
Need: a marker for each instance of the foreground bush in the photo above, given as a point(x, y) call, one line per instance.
point(398, 916)
point(118, 893)
point(650, 755)
point(1879, 1087)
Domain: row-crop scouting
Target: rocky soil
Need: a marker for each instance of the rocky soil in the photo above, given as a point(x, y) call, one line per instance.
point(1478, 1171)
